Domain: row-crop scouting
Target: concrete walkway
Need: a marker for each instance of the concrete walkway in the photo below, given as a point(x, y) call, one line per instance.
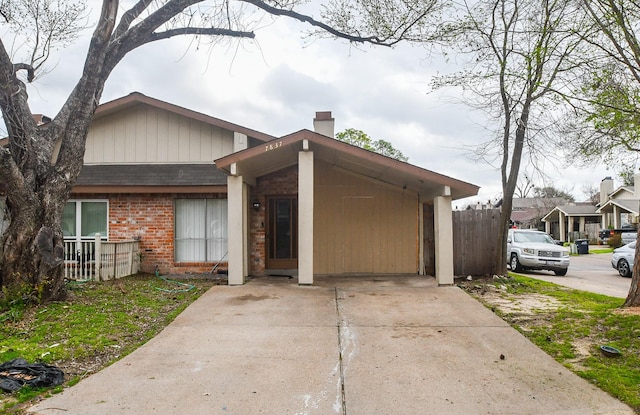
point(396, 345)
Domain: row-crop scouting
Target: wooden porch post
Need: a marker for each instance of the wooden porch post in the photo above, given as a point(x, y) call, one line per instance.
point(305, 216)
point(443, 226)
point(237, 233)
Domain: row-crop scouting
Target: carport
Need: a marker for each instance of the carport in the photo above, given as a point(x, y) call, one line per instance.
point(312, 205)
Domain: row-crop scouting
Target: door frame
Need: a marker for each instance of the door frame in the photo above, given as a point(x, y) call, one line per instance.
point(270, 237)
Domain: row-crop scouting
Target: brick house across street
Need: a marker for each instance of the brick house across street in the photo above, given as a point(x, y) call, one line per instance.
point(196, 192)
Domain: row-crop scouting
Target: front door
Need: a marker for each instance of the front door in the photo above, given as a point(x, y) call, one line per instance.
point(282, 232)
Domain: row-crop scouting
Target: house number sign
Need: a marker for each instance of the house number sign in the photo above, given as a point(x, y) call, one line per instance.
point(269, 147)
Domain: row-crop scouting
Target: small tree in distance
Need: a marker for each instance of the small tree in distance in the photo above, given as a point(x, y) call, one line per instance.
point(361, 139)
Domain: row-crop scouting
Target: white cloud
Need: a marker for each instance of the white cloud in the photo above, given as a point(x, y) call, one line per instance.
point(276, 84)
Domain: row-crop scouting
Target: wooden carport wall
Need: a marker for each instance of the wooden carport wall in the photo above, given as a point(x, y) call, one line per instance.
point(238, 199)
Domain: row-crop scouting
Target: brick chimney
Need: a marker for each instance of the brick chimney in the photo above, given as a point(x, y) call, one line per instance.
point(324, 124)
point(606, 188)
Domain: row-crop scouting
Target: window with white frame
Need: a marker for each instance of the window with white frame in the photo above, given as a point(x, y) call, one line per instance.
point(200, 230)
point(83, 219)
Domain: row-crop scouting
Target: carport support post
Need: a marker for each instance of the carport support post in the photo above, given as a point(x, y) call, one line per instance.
point(569, 228)
point(443, 229)
point(616, 217)
point(421, 262)
point(305, 216)
point(237, 233)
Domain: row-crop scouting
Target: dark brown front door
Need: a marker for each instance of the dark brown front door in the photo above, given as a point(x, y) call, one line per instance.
point(282, 232)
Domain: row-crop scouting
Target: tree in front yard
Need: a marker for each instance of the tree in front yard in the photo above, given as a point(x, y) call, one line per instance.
point(40, 162)
point(608, 108)
point(517, 54)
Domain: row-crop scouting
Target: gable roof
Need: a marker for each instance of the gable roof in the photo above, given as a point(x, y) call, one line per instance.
point(136, 98)
point(276, 155)
point(571, 210)
point(622, 189)
point(627, 205)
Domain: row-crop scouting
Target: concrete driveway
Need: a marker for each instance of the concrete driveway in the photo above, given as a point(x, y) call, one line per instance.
point(350, 345)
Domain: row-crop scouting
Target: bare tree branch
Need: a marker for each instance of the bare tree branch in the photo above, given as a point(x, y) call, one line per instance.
point(25, 67)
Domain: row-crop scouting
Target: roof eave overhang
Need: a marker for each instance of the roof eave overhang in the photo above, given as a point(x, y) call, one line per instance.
point(283, 152)
point(554, 214)
point(608, 207)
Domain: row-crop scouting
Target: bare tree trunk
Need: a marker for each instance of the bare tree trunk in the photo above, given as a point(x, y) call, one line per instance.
point(509, 182)
point(38, 184)
point(633, 298)
point(33, 244)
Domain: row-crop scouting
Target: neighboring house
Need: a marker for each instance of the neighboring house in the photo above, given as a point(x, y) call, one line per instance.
point(573, 221)
point(617, 208)
point(197, 191)
point(527, 212)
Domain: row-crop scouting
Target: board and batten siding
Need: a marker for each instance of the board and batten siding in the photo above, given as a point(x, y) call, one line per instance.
point(362, 226)
point(144, 134)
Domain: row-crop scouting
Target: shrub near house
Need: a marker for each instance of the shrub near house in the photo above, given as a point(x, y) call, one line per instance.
point(617, 237)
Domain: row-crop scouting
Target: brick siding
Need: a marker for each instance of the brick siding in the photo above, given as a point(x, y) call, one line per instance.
point(282, 182)
point(150, 218)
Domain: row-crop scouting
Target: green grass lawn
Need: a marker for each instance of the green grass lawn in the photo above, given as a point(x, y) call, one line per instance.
point(102, 322)
point(573, 332)
point(602, 250)
point(98, 324)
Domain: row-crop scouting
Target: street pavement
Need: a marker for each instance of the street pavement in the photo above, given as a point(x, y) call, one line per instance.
point(349, 346)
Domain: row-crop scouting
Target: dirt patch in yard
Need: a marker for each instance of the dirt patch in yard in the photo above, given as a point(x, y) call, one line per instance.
point(526, 311)
point(630, 311)
point(497, 295)
point(535, 315)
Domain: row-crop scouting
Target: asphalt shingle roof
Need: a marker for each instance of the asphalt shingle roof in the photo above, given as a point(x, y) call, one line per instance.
point(151, 175)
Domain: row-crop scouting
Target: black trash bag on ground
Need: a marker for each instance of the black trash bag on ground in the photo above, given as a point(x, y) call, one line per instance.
point(16, 373)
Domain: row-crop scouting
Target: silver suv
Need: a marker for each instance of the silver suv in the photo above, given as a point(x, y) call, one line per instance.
point(529, 249)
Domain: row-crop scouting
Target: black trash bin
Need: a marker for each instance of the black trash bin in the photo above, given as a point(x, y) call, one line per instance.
point(582, 245)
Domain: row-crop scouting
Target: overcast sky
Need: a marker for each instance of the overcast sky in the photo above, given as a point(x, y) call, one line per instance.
point(276, 83)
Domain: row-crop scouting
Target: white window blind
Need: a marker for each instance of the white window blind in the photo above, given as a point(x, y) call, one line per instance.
point(200, 230)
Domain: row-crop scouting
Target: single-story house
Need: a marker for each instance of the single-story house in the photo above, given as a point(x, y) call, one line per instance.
point(616, 208)
point(197, 191)
point(573, 221)
point(620, 206)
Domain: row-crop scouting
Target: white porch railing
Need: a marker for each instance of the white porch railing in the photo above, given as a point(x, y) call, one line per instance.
point(99, 260)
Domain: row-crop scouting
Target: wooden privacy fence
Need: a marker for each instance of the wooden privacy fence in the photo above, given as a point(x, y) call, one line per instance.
point(99, 260)
point(474, 242)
